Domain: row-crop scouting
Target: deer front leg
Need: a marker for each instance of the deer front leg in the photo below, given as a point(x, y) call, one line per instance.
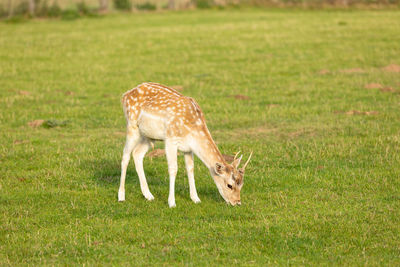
point(190, 172)
point(171, 151)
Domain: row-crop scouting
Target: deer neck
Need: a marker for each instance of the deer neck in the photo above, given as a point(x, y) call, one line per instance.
point(206, 149)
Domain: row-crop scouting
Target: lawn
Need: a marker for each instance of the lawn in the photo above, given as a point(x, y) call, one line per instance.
point(315, 95)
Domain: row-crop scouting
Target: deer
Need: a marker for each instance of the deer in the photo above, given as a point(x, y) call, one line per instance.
point(156, 112)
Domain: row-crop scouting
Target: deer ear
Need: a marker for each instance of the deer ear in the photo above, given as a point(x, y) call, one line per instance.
point(219, 168)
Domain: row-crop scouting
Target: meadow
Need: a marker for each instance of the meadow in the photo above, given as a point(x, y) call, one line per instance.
point(315, 95)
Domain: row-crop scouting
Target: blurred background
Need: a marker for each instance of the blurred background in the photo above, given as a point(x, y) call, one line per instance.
point(68, 8)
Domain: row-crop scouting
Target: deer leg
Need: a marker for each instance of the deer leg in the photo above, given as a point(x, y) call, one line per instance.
point(138, 155)
point(171, 152)
point(132, 139)
point(190, 172)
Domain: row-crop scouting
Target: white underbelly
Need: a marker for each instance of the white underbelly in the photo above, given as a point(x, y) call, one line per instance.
point(152, 126)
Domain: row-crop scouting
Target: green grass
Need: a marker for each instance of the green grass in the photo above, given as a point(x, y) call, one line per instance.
point(322, 188)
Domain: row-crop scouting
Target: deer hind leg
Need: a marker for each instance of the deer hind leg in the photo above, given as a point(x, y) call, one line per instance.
point(132, 138)
point(171, 151)
point(138, 154)
point(190, 172)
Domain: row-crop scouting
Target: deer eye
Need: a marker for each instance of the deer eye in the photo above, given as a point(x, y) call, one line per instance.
point(229, 186)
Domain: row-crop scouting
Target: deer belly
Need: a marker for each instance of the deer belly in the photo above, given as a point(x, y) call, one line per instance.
point(151, 126)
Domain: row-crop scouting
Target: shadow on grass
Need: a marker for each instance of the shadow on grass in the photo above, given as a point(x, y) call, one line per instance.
point(107, 173)
point(210, 193)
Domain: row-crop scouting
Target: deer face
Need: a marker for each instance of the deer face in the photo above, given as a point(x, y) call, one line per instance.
point(229, 180)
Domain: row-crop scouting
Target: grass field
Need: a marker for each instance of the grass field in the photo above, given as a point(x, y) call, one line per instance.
point(317, 99)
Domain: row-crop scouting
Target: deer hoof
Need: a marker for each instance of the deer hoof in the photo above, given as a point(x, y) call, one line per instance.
point(196, 199)
point(172, 203)
point(121, 196)
point(149, 196)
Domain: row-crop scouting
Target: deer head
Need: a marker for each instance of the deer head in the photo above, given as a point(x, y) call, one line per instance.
point(229, 179)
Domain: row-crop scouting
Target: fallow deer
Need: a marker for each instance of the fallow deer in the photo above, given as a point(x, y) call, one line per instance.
point(157, 112)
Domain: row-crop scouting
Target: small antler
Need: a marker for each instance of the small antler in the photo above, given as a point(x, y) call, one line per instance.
point(236, 155)
point(236, 161)
point(244, 167)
